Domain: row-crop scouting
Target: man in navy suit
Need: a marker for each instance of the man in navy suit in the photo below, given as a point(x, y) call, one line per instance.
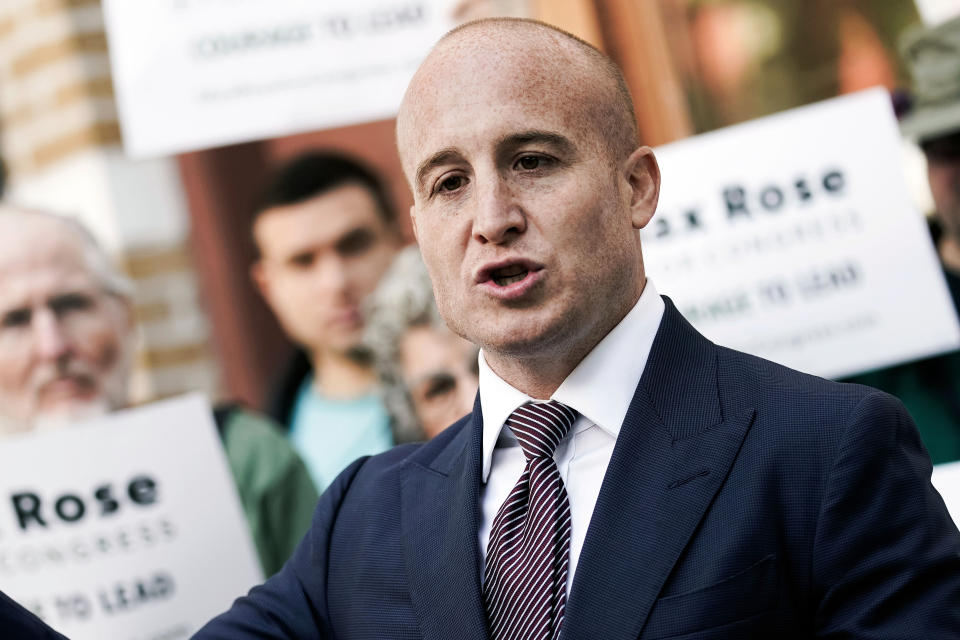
point(683, 490)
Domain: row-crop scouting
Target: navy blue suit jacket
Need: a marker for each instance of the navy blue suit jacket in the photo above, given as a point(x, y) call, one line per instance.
point(743, 500)
point(16, 623)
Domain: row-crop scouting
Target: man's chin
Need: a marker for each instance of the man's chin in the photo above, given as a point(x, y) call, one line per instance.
point(520, 346)
point(522, 335)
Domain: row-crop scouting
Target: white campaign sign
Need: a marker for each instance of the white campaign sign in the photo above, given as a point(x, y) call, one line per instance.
point(124, 528)
point(191, 74)
point(946, 479)
point(934, 12)
point(793, 238)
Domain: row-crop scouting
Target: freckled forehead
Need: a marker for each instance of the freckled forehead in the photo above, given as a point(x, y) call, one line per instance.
point(479, 81)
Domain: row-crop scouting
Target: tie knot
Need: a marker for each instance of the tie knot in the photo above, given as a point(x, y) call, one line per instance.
point(540, 426)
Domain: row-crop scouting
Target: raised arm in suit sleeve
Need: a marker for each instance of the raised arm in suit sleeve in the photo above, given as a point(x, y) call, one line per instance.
point(886, 560)
point(17, 622)
point(292, 604)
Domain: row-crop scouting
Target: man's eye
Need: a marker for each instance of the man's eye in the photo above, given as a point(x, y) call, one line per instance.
point(16, 318)
point(440, 384)
point(302, 260)
point(62, 305)
point(529, 163)
point(356, 242)
point(451, 184)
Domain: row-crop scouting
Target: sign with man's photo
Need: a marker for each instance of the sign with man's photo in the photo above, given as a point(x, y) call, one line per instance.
point(127, 527)
point(793, 237)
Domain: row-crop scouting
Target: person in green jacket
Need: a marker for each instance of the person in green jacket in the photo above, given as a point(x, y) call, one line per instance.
point(276, 490)
point(66, 341)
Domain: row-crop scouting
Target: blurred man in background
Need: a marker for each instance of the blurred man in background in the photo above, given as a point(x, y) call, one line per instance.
point(428, 374)
point(66, 344)
point(326, 231)
point(930, 388)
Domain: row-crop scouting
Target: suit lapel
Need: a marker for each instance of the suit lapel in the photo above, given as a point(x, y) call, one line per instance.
point(440, 517)
point(673, 453)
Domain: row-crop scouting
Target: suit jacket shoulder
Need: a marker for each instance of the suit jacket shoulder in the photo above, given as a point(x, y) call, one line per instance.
point(17, 622)
point(829, 492)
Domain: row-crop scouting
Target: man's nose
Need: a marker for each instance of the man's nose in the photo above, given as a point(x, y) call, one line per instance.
point(499, 216)
point(331, 275)
point(51, 339)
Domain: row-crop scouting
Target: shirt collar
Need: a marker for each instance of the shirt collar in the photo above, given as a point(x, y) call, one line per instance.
point(613, 366)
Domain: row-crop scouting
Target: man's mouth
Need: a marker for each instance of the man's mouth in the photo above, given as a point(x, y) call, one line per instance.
point(510, 280)
point(67, 387)
point(508, 275)
point(348, 316)
point(507, 272)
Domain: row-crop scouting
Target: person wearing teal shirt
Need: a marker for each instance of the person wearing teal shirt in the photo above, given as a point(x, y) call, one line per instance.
point(326, 232)
point(331, 433)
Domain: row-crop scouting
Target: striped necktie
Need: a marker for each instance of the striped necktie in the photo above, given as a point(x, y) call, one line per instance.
point(525, 579)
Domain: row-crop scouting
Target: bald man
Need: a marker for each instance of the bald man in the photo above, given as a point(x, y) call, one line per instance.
point(620, 476)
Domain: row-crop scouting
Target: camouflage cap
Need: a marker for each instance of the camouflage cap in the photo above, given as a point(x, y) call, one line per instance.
point(933, 57)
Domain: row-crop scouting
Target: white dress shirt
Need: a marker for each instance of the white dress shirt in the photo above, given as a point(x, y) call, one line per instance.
point(600, 389)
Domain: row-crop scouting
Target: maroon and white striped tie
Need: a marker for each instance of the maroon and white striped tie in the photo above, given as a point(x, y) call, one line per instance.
point(528, 556)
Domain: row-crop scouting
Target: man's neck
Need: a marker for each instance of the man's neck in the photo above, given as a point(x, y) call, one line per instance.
point(536, 377)
point(540, 375)
point(340, 376)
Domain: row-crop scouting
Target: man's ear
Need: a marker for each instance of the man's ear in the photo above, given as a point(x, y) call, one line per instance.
point(643, 178)
point(260, 280)
point(413, 223)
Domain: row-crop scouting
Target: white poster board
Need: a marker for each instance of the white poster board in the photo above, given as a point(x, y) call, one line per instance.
point(124, 528)
point(191, 74)
point(793, 237)
point(946, 479)
point(934, 12)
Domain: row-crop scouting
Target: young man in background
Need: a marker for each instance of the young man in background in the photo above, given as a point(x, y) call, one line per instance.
point(326, 232)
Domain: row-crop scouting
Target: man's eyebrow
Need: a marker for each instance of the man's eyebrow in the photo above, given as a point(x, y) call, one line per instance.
point(436, 375)
point(550, 138)
point(440, 157)
point(537, 136)
point(357, 234)
point(15, 312)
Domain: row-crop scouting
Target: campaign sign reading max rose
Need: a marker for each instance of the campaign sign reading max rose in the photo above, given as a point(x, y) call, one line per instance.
point(793, 237)
point(191, 74)
point(124, 528)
